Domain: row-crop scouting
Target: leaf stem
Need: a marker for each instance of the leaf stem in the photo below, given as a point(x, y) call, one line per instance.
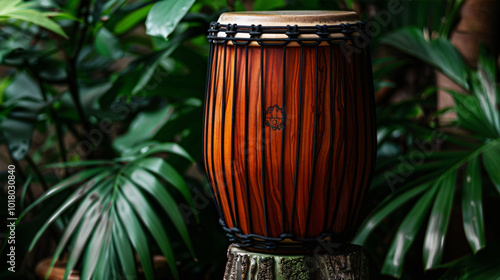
point(83, 10)
point(115, 185)
point(75, 94)
point(33, 166)
point(471, 155)
point(57, 124)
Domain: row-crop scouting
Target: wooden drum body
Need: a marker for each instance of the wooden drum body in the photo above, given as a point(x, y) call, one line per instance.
point(289, 138)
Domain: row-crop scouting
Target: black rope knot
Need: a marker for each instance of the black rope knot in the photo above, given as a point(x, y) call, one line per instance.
point(213, 30)
point(255, 31)
point(322, 31)
point(231, 30)
point(214, 27)
point(292, 31)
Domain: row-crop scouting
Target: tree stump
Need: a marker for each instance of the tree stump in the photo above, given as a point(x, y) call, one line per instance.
point(347, 262)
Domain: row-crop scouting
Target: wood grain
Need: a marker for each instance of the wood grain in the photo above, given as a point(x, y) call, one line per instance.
point(309, 176)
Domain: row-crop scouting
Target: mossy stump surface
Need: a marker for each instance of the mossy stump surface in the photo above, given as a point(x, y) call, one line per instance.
point(347, 262)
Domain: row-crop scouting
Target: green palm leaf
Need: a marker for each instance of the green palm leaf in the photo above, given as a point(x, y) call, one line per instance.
point(472, 206)
point(61, 186)
point(88, 205)
point(130, 222)
point(99, 243)
point(113, 215)
point(172, 148)
point(470, 115)
point(382, 212)
point(123, 249)
point(491, 160)
point(149, 183)
point(407, 231)
point(141, 206)
point(82, 236)
point(478, 114)
point(483, 82)
point(438, 221)
point(438, 52)
point(168, 173)
point(73, 198)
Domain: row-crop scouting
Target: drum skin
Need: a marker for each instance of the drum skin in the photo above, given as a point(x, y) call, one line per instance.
point(289, 138)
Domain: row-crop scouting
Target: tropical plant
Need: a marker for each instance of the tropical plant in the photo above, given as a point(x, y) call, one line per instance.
point(28, 12)
point(432, 179)
point(104, 201)
point(114, 212)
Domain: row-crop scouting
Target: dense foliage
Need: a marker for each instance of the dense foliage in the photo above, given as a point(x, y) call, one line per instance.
point(101, 112)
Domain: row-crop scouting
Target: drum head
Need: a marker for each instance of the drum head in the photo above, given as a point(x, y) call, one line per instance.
point(274, 25)
point(283, 18)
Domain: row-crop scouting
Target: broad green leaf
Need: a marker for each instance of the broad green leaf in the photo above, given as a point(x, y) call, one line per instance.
point(37, 18)
point(165, 15)
point(144, 67)
point(439, 52)
point(18, 134)
point(149, 183)
point(148, 71)
point(59, 16)
point(151, 220)
point(380, 214)
point(136, 235)
point(61, 186)
point(407, 231)
point(112, 6)
point(75, 196)
point(136, 152)
point(23, 87)
point(24, 98)
point(7, 6)
point(161, 168)
point(89, 95)
point(438, 221)
point(491, 160)
point(132, 19)
point(123, 249)
point(174, 85)
point(472, 206)
point(107, 44)
point(143, 127)
point(172, 148)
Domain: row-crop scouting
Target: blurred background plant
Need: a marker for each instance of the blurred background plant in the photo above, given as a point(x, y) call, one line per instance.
point(101, 109)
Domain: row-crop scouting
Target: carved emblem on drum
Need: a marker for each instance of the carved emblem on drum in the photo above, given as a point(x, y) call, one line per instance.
point(275, 117)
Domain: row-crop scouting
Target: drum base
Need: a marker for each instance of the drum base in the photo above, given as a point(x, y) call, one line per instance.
point(345, 262)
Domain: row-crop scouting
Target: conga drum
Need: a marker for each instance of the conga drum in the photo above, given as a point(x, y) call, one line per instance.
point(289, 129)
